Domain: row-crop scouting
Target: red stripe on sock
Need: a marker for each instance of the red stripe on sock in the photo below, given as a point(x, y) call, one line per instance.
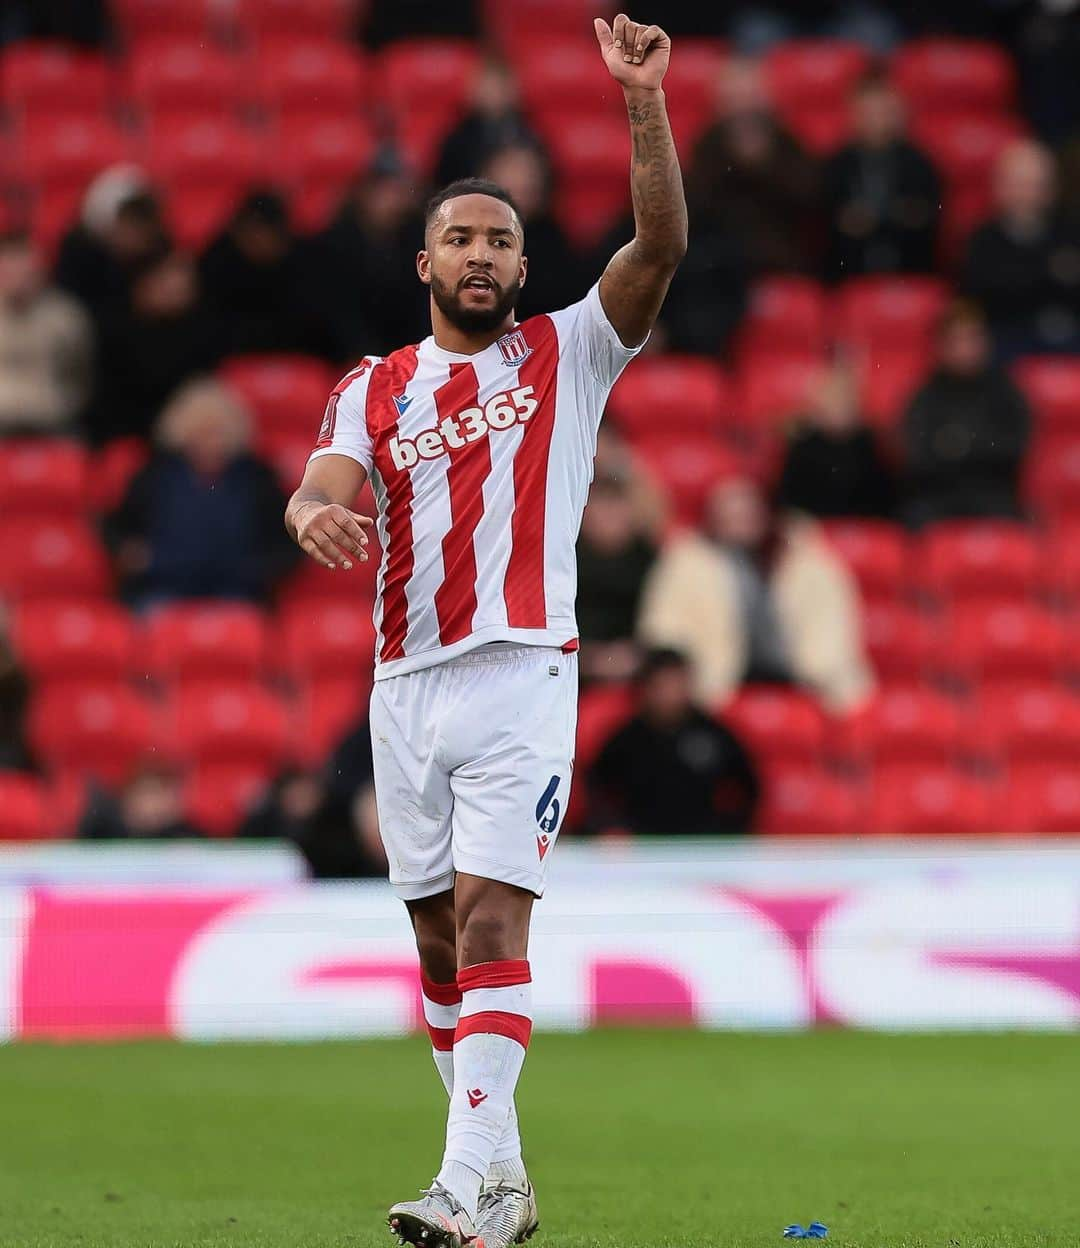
point(496, 1023)
point(502, 974)
point(440, 994)
point(442, 1038)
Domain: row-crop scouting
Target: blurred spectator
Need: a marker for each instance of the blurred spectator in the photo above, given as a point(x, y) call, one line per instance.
point(555, 276)
point(259, 284)
point(614, 554)
point(750, 177)
point(77, 21)
point(757, 598)
point(366, 260)
point(495, 120)
point(883, 195)
point(966, 430)
point(671, 768)
point(14, 695)
point(150, 805)
point(412, 19)
point(120, 227)
point(45, 346)
point(202, 519)
point(1023, 265)
point(162, 336)
point(833, 465)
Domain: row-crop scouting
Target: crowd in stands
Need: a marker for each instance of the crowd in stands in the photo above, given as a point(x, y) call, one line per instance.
point(871, 351)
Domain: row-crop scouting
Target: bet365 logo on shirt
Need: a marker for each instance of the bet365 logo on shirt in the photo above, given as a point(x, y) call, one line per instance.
point(501, 411)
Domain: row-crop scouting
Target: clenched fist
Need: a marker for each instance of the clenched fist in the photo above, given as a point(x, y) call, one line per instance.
point(331, 534)
point(635, 53)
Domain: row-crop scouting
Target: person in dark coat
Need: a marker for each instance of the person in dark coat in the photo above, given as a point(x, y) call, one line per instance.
point(672, 769)
point(495, 120)
point(149, 806)
point(833, 465)
point(202, 519)
point(966, 430)
point(883, 196)
point(1023, 264)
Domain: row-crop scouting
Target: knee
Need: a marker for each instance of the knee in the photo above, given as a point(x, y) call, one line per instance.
point(487, 936)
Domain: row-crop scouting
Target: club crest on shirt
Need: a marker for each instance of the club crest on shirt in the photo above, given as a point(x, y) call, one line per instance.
point(513, 348)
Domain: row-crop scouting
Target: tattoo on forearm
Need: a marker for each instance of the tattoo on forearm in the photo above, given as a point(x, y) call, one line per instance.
point(655, 180)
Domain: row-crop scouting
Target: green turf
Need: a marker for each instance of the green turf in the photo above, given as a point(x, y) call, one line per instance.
point(635, 1138)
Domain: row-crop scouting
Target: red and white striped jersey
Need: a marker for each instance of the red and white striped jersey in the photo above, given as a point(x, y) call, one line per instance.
point(480, 466)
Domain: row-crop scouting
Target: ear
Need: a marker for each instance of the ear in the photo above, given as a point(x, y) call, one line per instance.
point(423, 267)
point(523, 270)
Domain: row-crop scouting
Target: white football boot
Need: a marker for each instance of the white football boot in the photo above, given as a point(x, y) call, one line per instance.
point(507, 1214)
point(434, 1221)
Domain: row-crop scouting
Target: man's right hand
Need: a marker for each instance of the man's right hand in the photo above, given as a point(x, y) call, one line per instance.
point(331, 534)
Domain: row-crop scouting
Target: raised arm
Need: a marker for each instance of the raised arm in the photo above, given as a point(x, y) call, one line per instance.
point(319, 518)
point(636, 279)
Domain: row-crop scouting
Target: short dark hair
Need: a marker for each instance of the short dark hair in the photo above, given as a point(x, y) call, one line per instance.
point(661, 659)
point(469, 186)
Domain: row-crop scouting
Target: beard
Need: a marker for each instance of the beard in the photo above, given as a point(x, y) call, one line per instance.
point(474, 320)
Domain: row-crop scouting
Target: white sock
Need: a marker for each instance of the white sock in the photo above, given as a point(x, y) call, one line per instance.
point(489, 1051)
point(442, 1005)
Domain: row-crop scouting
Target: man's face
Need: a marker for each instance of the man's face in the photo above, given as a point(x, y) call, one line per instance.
point(473, 262)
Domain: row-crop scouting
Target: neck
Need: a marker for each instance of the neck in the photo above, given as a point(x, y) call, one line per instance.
point(463, 342)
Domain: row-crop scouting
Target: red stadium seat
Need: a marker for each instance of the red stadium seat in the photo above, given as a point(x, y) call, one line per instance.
point(997, 640)
point(24, 814)
point(899, 640)
point(670, 393)
point(204, 640)
point(906, 723)
point(287, 453)
point(47, 475)
point(41, 78)
point(319, 157)
point(99, 729)
point(914, 799)
point(307, 76)
point(327, 709)
point(302, 19)
point(75, 640)
point(587, 212)
point(197, 214)
point(687, 468)
point(786, 315)
point(565, 78)
point(217, 722)
point(1031, 722)
point(954, 75)
point(66, 152)
point(187, 150)
point(1063, 562)
point(431, 76)
point(1043, 798)
point(777, 723)
point(139, 19)
point(813, 73)
point(772, 390)
point(286, 393)
point(184, 75)
point(327, 639)
point(875, 551)
point(1052, 477)
point(887, 383)
point(801, 800)
point(42, 558)
point(992, 559)
point(311, 583)
point(219, 795)
point(889, 314)
point(965, 148)
point(1052, 386)
point(694, 76)
point(822, 130)
point(591, 157)
point(557, 18)
point(602, 711)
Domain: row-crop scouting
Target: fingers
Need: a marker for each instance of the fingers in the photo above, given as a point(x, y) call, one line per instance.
point(603, 33)
point(618, 31)
point(347, 535)
point(647, 36)
point(323, 550)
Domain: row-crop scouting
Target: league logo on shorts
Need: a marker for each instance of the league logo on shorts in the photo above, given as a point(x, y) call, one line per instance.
point(514, 349)
point(548, 809)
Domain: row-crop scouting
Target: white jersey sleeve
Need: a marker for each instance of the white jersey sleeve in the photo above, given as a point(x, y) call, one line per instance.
point(586, 331)
point(344, 429)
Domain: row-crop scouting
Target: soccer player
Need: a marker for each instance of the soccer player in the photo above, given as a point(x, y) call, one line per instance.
point(479, 444)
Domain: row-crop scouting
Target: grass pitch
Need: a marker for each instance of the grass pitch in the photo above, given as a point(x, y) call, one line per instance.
point(634, 1139)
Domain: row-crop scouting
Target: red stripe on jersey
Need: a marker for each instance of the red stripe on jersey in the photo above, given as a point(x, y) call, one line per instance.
point(470, 465)
point(390, 378)
point(496, 1023)
point(440, 994)
point(505, 973)
point(442, 1038)
point(523, 588)
point(351, 376)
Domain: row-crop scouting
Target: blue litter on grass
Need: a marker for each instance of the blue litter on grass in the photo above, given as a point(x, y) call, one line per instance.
point(816, 1230)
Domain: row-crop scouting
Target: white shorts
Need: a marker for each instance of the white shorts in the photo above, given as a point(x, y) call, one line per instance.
point(473, 761)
